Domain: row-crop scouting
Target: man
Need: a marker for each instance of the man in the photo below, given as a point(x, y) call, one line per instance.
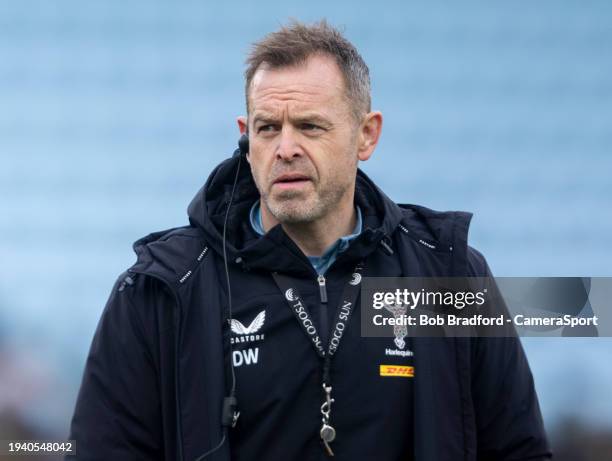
point(239, 305)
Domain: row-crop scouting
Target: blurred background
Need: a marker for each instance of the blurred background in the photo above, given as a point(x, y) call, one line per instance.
point(112, 115)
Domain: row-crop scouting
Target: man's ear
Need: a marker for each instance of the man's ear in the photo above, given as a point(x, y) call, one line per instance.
point(242, 124)
point(369, 133)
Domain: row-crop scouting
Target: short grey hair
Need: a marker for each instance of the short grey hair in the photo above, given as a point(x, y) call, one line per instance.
point(294, 43)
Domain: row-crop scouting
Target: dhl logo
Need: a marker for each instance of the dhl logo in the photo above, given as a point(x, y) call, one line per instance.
point(397, 370)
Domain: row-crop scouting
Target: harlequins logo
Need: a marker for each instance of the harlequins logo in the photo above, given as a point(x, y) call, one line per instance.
point(400, 331)
point(247, 334)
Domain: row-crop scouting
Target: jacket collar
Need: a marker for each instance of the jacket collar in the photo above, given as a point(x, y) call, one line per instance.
point(275, 251)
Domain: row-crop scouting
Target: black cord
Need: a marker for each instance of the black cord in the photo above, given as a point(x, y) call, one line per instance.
point(229, 319)
point(227, 277)
point(212, 450)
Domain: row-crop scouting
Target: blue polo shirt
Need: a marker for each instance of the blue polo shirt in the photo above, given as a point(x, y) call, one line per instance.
point(320, 263)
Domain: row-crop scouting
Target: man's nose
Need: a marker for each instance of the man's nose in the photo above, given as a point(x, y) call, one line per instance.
point(288, 147)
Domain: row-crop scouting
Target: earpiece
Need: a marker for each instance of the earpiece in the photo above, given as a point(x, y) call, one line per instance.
point(243, 144)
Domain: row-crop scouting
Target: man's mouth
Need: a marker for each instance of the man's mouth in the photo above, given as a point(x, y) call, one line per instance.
point(290, 181)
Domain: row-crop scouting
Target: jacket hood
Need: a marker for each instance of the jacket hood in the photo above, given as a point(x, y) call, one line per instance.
point(172, 255)
point(275, 251)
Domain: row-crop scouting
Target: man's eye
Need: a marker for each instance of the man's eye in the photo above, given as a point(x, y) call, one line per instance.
point(264, 128)
point(310, 126)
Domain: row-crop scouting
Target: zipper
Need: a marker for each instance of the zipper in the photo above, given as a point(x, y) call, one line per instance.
point(323, 317)
point(322, 289)
point(177, 343)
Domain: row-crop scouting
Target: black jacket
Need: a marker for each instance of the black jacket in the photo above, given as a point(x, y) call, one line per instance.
point(157, 370)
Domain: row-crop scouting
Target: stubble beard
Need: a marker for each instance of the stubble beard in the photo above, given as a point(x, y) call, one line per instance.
point(299, 207)
point(295, 207)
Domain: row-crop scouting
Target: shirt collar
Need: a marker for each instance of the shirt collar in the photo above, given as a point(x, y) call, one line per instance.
point(341, 244)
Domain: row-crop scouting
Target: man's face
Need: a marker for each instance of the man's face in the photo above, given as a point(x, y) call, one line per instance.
point(303, 140)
